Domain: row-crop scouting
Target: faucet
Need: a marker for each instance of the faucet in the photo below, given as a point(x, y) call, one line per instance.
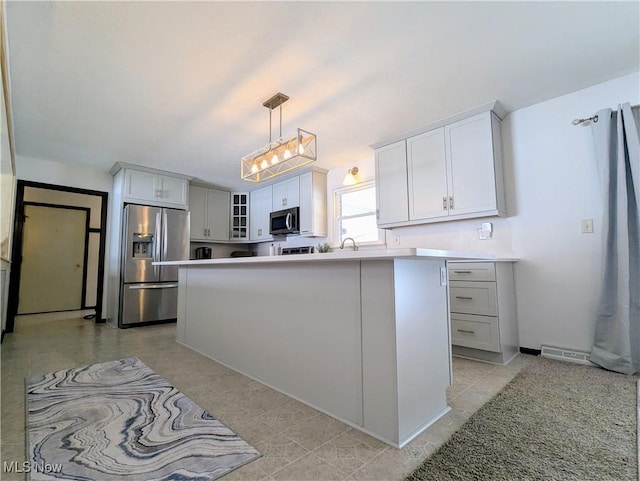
point(355, 247)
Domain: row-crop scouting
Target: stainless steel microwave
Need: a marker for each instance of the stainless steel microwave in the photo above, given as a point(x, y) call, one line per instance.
point(285, 222)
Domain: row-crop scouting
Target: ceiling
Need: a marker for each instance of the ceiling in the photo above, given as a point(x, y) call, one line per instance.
point(179, 86)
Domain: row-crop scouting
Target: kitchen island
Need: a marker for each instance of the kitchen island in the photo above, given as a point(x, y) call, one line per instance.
point(362, 336)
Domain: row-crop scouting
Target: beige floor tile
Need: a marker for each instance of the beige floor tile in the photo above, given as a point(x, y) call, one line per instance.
point(309, 468)
point(316, 431)
point(346, 453)
point(277, 452)
point(297, 442)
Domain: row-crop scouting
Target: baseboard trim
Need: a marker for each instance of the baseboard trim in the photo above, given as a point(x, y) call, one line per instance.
point(533, 352)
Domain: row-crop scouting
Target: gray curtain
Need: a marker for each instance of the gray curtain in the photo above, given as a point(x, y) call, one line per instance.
point(616, 344)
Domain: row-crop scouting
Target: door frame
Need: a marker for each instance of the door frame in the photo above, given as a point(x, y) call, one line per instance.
point(85, 247)
point(16, 254)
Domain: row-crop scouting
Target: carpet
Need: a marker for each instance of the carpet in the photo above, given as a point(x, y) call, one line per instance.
point(554, 421)
point(119, 420)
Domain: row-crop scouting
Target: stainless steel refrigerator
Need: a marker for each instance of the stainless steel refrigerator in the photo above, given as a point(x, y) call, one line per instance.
point(149, 293)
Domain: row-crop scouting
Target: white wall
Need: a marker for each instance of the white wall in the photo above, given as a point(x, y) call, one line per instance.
point(556, 185)
point(552, 184)
point(69, 175)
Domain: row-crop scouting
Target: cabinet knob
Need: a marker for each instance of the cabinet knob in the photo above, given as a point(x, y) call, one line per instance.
point(466, 298)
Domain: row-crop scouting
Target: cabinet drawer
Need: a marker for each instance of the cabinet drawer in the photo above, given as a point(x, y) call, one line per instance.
point(479, 332)
point(472, 271)
point(473, 298)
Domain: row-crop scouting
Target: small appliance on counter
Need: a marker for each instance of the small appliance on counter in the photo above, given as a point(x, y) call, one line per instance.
point(287, 251)
point(203, 253)
point(243, 254)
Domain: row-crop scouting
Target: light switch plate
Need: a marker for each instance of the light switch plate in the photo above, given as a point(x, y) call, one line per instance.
point(587, 226)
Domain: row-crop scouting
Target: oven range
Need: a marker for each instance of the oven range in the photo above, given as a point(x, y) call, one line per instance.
point(286, 251)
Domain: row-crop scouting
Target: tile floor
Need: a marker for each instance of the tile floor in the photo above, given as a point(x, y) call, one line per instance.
point(297, 442)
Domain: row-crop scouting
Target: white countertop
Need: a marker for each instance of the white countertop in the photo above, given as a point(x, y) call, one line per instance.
point(341, 256)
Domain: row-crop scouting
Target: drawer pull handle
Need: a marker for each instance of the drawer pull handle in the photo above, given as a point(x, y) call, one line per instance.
point(462, 272)
point(467, 331)
point(464, 297)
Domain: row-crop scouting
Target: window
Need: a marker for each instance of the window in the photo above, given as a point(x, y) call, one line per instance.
point(356, 214)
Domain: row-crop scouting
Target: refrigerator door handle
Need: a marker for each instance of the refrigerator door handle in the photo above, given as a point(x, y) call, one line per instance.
point(156, 243)
point(152, 286)
point(164, 235)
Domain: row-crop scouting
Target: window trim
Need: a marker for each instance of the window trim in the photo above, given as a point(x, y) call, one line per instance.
point(337, 193)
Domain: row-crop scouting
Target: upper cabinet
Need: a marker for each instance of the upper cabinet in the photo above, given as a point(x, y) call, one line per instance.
point(450, 172)
point(209, 214)
point(141, 185)
point(239, 216)
point(391, 184)
point(286, 194)
point(260, 208)
point(313, 204)
point(218, 216)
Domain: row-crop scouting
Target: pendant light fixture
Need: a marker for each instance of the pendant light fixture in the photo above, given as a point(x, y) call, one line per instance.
point(278, 156)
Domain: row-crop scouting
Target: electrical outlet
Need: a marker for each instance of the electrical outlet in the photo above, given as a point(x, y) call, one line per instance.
point(396, 240)
point(587, 226)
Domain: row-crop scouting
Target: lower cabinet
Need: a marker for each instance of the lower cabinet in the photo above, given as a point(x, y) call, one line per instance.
point(482, 309)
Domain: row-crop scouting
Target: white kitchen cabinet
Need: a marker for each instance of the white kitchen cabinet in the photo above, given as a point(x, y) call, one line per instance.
point(209, 214)
point(427, 175)
point(482, 309)
point(474, 166)
point(286, 194)
point(239, 216)
point(313, 204)
point(391, 184)
point(450, 172)
point(147, 187)
point(259, 210)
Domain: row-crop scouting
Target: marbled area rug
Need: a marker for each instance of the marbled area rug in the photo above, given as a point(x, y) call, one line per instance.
point(120, 421)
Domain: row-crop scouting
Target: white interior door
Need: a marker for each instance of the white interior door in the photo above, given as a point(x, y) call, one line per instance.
point(53, 254)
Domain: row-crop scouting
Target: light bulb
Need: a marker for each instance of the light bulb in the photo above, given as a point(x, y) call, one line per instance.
point(300, 149)
point(287, 154)
point(274, 159)
point(264, 164)
point(254, 168)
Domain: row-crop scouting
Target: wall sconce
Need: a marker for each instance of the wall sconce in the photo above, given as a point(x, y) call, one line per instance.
point(352, 177)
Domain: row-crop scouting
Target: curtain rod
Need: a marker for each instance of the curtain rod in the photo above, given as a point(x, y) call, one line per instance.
point(594, 118)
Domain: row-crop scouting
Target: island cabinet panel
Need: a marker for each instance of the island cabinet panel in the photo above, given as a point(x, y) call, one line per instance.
point(311, 354)
point(365, 340)
point(405, 335)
